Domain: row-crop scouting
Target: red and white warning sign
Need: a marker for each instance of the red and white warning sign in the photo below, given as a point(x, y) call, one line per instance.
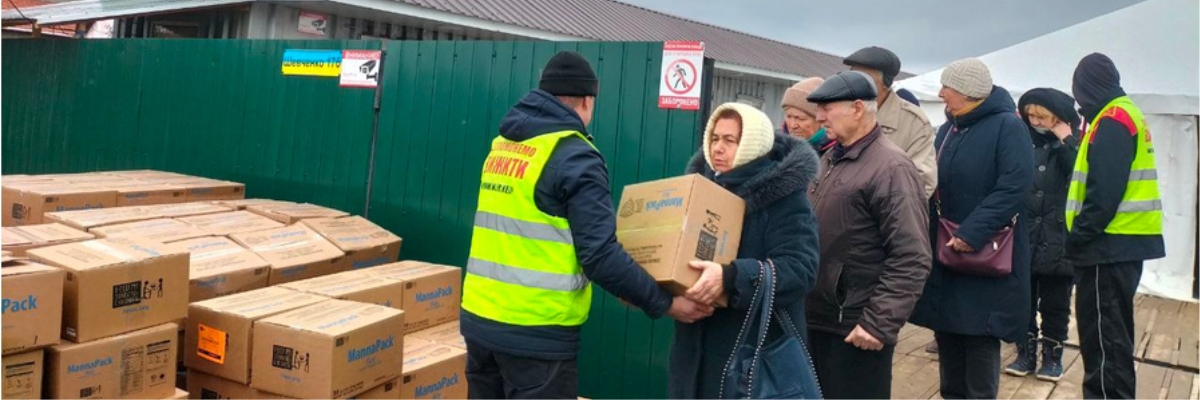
point(682, 72)
point(360, 68)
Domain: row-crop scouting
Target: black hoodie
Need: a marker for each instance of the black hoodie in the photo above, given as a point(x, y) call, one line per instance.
point(574, 185)
point(1110, 157)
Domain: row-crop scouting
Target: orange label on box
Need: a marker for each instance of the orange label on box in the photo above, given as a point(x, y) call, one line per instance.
point(211, 344)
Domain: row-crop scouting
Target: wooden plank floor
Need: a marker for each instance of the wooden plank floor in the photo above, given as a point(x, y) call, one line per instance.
point(1167, 347)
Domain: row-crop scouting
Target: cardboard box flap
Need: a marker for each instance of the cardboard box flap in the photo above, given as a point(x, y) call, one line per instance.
point(212, 256)
point(43, 233)
point(162, 230)
point(420, 353)
point(351, 233)
point(287, 211)
point(333, 317)
point(188, 209)
point(243, 203)
point(289, 246)
point(68, 346)
point(54, 188)
point(448, 333)
point(259, 303)
point(339, 284)
point(405, 270)
point(24, 267)
point(231, 222)
point(100, 253)
point(87, 219)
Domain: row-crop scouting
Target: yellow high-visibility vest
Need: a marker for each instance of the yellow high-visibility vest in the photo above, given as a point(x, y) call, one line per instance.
point(523, 268)
point(1140, 212)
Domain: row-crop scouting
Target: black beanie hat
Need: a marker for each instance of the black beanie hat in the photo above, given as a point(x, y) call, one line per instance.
point(569, 74)
point(1096, 81)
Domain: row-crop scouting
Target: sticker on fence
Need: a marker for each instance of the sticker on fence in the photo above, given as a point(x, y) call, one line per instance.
point(360, 68)
point(682, 72)
point(312, 62)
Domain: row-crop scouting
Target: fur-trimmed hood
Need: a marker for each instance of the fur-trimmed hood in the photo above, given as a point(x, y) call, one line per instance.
point(791, 164)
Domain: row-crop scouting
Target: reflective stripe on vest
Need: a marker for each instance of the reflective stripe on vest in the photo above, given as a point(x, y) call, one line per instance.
point(1140, 210)
point(523, 269)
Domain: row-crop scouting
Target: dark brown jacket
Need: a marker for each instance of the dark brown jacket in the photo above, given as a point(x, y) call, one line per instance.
point(873, 221)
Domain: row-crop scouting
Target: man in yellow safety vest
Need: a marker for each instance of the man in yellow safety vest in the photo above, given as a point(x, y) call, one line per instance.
point(544, 230)
point(1114, 216)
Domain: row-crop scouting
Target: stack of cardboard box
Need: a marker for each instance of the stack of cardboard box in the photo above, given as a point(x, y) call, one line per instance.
point(33, 308)
point(119, 302)
point(27, 198)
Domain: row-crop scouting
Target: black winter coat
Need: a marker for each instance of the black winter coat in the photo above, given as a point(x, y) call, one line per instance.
point(1054, 161)
point(984, 172)
point(779, 225)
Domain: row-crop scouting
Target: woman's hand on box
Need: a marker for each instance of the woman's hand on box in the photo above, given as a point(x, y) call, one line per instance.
point(711, 284)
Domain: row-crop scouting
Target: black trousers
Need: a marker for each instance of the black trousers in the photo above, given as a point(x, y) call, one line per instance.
point(847, 372)
point(970, 365)
point(495, 375)
point(1104, 307)
point(1052, 297)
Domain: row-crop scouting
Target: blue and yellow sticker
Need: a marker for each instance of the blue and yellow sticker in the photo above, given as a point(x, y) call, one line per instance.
point(312, 62)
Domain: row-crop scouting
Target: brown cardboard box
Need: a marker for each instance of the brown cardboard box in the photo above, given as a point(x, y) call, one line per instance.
point(143, 194)
point(179, 394)
point(334, 349)
point(162, 230)
point(239, 205)
point(290, 213)
point(33, 305)
point(134, 365)
point(187, 209)
point(366, 244)
point(295, 253)
point(220, 267)
point(201, 189)
point(25, 205)
point(387, 391)
point(88, 219)
point(118, 285)
point(432, 293)
point(92, 178)
point(353, 286)
point(667, 223)
point(20, 239)
point(23, 375)
point(219, 330)
point(447, 334)
point(229, 223)
point(204, 386)
point(433, 371)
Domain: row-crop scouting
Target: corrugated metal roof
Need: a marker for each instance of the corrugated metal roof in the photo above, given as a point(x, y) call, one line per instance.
point(615, 21)
point(90, 10)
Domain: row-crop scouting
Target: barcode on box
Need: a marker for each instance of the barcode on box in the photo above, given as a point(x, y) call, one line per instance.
point(706, 247)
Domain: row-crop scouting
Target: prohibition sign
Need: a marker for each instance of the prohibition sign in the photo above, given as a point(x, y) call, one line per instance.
point(680, 77)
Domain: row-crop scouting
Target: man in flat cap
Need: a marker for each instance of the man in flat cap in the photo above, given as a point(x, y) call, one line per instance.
point(902, 122)
point(875, 253)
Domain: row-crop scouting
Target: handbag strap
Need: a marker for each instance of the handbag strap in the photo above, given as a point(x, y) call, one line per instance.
point(756, 305)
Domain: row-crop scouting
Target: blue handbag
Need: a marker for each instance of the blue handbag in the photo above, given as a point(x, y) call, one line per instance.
point(777, 370)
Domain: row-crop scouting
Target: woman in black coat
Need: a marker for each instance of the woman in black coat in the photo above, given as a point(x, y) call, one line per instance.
point(1054, 129)
point(985, 169)
point(770, 172)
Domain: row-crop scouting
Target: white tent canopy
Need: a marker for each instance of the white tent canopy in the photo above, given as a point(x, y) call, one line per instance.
point(1156, 47)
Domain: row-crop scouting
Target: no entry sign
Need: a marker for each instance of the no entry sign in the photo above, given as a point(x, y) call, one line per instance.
point(682, 72)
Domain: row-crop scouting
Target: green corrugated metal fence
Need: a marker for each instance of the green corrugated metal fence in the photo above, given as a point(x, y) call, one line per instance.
point(222, 109)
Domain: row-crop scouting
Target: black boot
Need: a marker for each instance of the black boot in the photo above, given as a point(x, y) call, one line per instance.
point(1052, 366)
point(1026, 361)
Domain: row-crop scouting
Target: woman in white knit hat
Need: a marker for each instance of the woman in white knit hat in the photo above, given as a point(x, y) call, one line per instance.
point(770, 172)
point(800, 115)
point(985, 170)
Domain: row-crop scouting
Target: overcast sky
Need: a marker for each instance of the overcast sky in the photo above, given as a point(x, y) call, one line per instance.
point(926, 34)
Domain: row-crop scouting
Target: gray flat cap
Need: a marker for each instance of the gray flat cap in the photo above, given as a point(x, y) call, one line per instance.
point(845, 86)
point(877, 58)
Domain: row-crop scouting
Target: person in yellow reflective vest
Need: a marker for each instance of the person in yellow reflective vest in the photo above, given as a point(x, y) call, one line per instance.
point(1114, 219)
point(544, 230)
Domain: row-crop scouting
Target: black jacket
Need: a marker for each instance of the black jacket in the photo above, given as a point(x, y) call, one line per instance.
point(984, 173)
point(574, 185)
point(1110, 157)
point(779, 225)
point(1054, 161)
